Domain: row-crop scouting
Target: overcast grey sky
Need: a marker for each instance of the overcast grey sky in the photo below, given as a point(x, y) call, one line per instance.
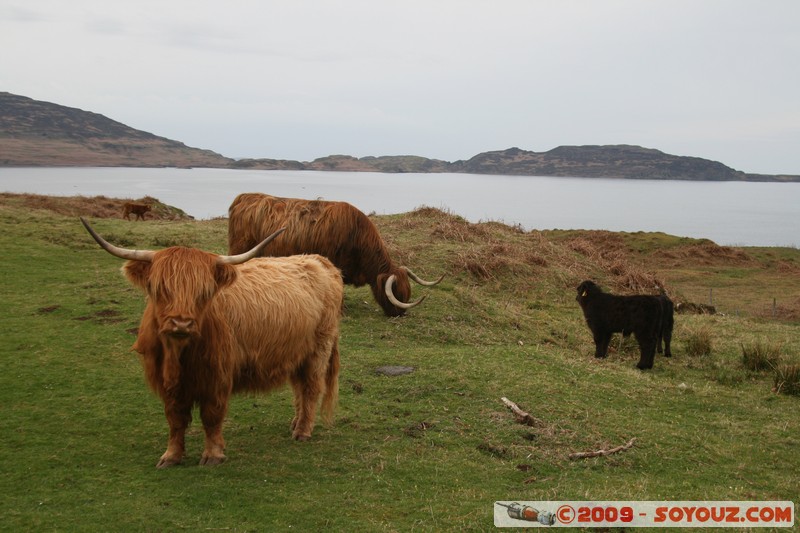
point(445, 79)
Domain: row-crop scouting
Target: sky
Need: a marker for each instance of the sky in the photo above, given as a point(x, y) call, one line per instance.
point(444, 79)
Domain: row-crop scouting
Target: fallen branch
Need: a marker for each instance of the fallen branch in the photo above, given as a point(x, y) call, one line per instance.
point(598, 453)
point(522, 416)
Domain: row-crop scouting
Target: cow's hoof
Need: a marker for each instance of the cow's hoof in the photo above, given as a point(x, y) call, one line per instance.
point(301, 437)
point(212, 460)
point(641, 366)
point(168, 461)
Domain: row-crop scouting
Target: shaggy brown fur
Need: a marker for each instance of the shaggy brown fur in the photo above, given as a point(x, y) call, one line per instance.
point(212, 329)
point(607, 314)
point(137, 209)
point(336, 230)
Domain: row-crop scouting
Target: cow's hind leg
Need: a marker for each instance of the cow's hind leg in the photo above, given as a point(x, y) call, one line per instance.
point(668, 339)
point(308, 383)
point(179, 415)
point(647, 348)
point(213, 414)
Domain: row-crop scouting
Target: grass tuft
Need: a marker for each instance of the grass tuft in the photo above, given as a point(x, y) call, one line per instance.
point(760, 355)
point(698, 342)
point(787, 379)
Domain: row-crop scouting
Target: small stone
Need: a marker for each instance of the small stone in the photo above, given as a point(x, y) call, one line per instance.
point(394, 370)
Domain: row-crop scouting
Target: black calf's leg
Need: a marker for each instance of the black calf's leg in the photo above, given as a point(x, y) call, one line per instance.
point(647, 347)
point(601, 340)
point(668, 339)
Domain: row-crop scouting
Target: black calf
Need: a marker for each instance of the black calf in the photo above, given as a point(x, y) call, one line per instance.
point(607, 314)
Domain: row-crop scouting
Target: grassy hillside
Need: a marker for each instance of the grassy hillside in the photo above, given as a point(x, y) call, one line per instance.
point(431, 450)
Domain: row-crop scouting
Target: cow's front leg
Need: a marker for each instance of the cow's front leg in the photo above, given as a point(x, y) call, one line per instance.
point(601, 342)
point(213, 414)
point(179, 415)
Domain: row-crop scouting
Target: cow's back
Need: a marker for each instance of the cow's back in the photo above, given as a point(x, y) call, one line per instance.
point(615, 312)
point(336, 230)
point(279, 310)
point(312, 226)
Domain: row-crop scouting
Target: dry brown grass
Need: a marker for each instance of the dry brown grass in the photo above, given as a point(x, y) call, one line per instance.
point(704, 253)
point(788, 311)
point(92, 206)
point(786, 267)
point(490, 250)
point(542, 264)
point(609, 253)
point(787, 379)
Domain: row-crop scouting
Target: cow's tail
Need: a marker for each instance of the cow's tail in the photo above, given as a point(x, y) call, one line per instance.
point(331, 396)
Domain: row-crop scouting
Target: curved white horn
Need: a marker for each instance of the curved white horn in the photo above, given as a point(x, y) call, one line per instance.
point(123, 253)
point(394, 300)
point(420, 280)
point(247, 256)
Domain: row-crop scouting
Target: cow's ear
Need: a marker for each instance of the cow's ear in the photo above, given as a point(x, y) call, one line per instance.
point(137, 272)
point(224, 275)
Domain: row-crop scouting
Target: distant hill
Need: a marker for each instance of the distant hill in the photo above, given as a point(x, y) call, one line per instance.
point(614, 161)
point(35, 133)
point(618, 161)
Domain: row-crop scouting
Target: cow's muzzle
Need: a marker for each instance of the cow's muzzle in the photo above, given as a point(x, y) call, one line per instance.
point(179, 327)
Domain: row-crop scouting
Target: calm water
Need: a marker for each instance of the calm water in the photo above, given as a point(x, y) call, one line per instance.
point(729, 213)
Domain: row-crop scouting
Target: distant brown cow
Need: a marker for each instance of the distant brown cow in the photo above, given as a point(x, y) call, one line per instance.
point(137, 209)
point(215, 325)
point(336, 230)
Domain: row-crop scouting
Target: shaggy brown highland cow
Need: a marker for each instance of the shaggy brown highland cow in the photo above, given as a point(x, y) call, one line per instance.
point(336, 230)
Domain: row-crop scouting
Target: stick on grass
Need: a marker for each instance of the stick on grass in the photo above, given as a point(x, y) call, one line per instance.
point(522, 416)
point(598, 453)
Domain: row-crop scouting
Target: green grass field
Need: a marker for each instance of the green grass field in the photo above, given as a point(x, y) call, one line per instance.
point(431, 450)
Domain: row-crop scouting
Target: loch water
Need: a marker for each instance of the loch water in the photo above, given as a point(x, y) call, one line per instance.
point(728, 213)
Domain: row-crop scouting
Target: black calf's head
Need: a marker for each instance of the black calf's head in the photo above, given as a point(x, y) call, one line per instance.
point(586, 290)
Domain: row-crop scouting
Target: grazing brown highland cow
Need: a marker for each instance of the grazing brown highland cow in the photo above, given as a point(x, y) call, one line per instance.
point(215, 325)
point(336, 230)
point(607, 314)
